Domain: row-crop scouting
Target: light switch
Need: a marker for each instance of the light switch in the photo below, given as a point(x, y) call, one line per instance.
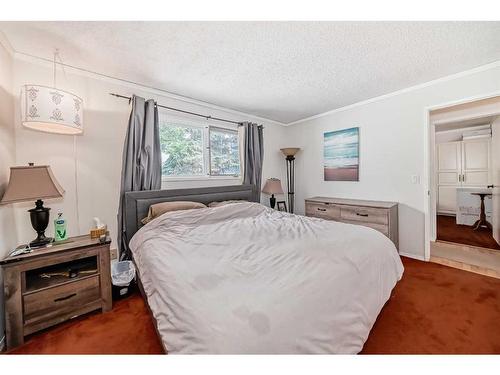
point(415, 179)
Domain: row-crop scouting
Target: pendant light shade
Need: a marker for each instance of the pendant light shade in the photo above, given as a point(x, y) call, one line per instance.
point(51, 110)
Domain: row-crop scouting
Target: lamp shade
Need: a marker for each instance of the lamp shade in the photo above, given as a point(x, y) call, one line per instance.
point(31, 183)
point(51, 110)
point(290, 151)
point(273, 186)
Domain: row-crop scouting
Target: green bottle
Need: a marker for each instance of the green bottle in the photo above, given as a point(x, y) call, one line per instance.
point(60, 232)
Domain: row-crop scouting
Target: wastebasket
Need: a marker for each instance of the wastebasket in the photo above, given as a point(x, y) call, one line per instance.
point(122, 278)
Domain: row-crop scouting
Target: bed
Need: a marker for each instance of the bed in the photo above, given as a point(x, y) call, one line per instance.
point(245, 279)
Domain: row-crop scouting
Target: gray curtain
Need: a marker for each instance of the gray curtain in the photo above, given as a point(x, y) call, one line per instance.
point(141, 163)
point(254, 156)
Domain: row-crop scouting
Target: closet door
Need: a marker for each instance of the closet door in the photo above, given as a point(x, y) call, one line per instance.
point(449, 169)
point(476, 162)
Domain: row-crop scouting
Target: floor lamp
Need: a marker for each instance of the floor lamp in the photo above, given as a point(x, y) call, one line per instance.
point(290, 174)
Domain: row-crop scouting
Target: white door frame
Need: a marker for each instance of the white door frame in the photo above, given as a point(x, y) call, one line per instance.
point(429, 154)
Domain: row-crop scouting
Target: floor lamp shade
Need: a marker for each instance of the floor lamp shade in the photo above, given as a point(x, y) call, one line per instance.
point(290, 152)
point(51, 110)
point(34, 183)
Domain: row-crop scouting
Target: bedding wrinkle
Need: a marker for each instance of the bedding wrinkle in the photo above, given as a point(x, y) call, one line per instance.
point(243, 278)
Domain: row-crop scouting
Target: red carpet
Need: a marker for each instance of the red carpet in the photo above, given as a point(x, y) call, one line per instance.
point(127, 329)
point(433, 309)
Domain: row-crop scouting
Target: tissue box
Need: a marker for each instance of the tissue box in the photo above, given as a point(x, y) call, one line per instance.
point(97, 232)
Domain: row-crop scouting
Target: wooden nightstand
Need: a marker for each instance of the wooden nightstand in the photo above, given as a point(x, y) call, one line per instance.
point(35, 301)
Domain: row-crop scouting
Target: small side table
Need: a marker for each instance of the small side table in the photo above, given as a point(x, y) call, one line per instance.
point(482, 222)
point(53, 284)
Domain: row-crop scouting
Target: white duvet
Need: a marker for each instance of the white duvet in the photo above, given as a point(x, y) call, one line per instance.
point(243, 278)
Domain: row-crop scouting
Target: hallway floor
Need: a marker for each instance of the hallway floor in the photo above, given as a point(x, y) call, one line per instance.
point(448, 230)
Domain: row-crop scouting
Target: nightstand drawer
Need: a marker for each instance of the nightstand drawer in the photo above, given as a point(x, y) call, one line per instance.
point(60, 299)
point(364, 214)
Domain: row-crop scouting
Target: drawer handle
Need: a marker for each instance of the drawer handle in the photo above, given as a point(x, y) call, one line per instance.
point(364, 215)
point(65, 298)
point(321, 209)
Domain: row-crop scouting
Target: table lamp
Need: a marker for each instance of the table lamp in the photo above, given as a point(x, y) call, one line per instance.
point(272, 186)
point(34, 183)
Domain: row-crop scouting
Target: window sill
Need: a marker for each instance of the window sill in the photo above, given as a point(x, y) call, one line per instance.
point(200, 178)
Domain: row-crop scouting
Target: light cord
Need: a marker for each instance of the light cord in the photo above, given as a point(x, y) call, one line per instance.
point(76, 185)
point(56, 53)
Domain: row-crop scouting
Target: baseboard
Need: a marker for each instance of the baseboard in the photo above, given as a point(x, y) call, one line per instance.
point(413, 256)
point(2, 344)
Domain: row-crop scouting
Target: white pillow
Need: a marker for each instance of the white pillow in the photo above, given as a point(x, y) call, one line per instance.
point(159, 209)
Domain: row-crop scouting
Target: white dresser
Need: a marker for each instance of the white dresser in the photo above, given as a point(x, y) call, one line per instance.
point(379, 215)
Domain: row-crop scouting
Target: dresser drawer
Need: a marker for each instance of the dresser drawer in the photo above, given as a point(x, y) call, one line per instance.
point(322, 210)
point(364, 214)
point(382, 228)
point(60, 299)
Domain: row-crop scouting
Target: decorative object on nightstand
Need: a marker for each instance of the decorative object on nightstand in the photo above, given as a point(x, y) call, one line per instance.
point(100, 229)
point(34, 183)
point(55, 284)
point(60, 228)
point(290, 152)
point(282, 206)
point(272, 186)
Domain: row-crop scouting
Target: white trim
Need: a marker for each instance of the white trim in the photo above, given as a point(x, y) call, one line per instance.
point(429, 142)
point(6, 45)
point(2, 343)
point(199, 178)
point(88, 73)
point(413, 256)
point(461, 130)
point(464, 73)
point(135, 85)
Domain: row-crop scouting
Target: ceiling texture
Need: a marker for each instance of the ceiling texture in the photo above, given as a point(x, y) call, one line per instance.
point(283, 71)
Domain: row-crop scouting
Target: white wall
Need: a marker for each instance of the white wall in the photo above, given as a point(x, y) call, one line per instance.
point(99, 150)
point(7, 154)
point(392, 148)
point(495, 153)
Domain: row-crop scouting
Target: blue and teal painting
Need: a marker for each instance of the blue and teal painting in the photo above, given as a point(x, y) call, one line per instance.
point(341, 155)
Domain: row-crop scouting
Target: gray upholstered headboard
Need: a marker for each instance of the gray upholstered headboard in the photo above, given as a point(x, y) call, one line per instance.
point(137, 202)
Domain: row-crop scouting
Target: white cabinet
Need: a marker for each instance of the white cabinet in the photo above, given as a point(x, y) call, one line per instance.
point(476, 162)
point(462, 163)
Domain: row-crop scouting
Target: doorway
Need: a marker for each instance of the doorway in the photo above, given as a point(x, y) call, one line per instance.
point(464, 180)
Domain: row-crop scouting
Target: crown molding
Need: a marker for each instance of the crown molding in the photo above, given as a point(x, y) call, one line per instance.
point(135, 85)
point(4, 42)
point(450, 77)
point(164, 93)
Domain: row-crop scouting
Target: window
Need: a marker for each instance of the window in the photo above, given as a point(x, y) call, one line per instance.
point(193, 149)
point(224, 152)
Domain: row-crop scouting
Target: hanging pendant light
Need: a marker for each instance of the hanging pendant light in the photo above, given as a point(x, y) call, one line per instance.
point(51, 110)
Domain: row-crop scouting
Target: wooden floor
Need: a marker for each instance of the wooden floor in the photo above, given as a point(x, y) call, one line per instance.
point(433, 309)
point(448, 230)
point(465, 257)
